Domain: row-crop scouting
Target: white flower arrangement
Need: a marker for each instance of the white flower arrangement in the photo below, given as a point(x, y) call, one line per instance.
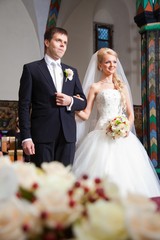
point(118, 127)
point(68, 74)
point(49, 203)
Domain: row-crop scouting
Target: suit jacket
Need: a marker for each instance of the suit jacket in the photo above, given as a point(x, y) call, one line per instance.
point(38, 112)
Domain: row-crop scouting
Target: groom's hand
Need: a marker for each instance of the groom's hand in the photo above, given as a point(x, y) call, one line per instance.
point(63, 99)
point(28, 147)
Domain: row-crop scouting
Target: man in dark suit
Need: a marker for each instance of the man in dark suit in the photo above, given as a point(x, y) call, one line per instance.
point(47, 103)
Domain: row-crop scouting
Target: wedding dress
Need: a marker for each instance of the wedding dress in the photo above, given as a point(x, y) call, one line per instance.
point(123, 160)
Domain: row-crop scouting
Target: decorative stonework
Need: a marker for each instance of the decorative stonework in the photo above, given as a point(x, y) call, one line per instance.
point(53, 13)
point(144, 12)
point(147, 19)
point(138, 121)
point(8, 114)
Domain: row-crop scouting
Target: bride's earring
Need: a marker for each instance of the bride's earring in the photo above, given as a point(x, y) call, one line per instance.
point(100, 68)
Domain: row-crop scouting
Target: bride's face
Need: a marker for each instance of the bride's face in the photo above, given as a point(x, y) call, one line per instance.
point(109, 64)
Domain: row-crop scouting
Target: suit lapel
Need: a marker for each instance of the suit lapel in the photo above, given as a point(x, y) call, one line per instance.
point(44, 70)
point(64, 78)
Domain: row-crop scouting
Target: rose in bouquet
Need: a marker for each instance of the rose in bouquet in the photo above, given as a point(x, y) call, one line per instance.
point(118, 127)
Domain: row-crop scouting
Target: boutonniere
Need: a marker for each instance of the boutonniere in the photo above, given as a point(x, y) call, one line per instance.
point(68, 73)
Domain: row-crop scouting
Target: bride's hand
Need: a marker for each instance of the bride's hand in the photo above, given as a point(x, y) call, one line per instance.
point(127, 134)
point(78, 96)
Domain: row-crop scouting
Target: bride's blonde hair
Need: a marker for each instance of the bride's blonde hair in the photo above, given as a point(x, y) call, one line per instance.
point(118, 83)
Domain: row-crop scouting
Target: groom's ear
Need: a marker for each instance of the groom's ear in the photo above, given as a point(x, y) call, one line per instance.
point(46, 42)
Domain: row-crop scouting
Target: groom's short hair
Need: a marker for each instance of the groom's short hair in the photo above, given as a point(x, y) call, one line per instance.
point(52, 30)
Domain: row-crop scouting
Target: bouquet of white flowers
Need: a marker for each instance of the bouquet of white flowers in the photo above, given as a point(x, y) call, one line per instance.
point(118, 127)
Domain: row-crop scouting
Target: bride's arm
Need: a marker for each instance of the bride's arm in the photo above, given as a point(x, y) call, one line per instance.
point(84, 114)
point(129, 109)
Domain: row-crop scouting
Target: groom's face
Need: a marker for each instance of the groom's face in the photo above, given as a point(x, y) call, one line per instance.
point(57, 46)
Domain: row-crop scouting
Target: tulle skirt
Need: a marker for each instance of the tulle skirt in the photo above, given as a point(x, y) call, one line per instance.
point(124, 161)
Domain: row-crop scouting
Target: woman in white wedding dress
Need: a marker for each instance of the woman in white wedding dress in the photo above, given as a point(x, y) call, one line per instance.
point(124, 160)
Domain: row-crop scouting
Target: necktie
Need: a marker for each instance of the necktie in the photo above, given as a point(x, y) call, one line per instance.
point(55, 75)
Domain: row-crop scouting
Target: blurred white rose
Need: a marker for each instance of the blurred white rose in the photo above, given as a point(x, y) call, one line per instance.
point(5, 160)
point(11, 218)
point(8, 182)
point(19, 219)
point(137, 202)
point(58, 169)
point(106, 220)
point(143, 221)
point(27, 174)
point(111, 189)
point(144, 225)
point(52, 199)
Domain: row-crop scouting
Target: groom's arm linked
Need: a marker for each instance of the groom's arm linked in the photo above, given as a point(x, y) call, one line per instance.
point(73, 88)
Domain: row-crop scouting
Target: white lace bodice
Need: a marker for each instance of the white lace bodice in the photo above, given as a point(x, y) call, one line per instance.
point(109, 106)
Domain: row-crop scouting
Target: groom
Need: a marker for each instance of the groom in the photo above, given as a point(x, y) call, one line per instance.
point(47, 104)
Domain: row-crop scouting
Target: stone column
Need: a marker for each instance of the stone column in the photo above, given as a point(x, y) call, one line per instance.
point(147, 19)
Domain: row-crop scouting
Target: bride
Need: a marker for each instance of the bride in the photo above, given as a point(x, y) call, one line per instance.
point(124, 159)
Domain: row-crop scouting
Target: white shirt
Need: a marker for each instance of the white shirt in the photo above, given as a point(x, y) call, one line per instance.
point(59, 73)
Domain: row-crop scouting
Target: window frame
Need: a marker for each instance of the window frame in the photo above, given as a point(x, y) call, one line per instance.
point(110, 31)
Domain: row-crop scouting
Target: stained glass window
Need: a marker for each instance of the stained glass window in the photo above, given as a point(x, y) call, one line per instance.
point(103, 35)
